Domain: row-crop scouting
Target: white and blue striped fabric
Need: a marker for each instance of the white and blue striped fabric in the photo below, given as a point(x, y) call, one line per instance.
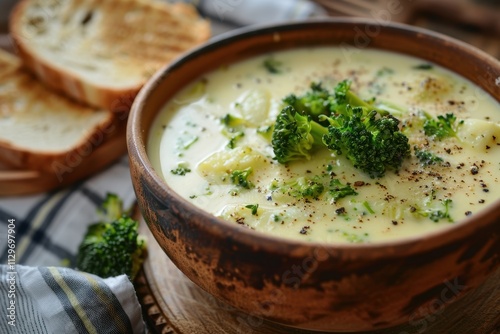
point(61, 300)
point(49, 296)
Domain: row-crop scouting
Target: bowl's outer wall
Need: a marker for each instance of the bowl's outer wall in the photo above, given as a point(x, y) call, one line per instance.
point(313, 286)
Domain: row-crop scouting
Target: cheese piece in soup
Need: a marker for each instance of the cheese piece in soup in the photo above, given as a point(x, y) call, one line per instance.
point(213, 145)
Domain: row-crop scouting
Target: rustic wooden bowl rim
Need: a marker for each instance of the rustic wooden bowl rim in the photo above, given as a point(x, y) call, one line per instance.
point(397, 248)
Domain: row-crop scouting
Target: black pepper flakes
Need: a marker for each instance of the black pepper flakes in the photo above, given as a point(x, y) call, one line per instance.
point(474, 170)
point(468, 213)
point(304, 230)
point(340, 211)
point(394, 222)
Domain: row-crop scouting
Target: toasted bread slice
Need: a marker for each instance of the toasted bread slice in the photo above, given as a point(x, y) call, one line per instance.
point(101, 52)
point(40, 128)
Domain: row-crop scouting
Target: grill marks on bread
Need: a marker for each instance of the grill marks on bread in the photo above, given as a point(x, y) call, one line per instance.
point(98, 51)
point(38, 126)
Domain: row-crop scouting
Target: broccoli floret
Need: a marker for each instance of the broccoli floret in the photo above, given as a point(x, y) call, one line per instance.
point(442, 126)
point(314, 102)
point(319, 101)
point(295, 135)
point(182, 169)
point(369, 137)
point(426, 158)
point(233, 129)
point(272, 65)
point(370, 141)
point(301, 187)
point(112, 246)
point(337, 190)
point(435, 214)
point(344, 97)
point(240, 177)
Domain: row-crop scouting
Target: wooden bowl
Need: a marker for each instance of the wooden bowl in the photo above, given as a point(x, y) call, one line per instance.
point(311, 285)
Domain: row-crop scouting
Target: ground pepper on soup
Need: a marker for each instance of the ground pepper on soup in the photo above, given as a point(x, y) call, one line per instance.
point(212, 144)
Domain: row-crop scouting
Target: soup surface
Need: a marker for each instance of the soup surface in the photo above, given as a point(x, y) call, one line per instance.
point(212, 145)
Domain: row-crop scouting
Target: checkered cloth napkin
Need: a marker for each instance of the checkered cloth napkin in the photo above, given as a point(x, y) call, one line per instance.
point(49, 296)
point(61, 300)
point(37, 293)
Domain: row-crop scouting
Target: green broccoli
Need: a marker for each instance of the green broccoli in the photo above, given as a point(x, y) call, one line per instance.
point(371, 142)
point(182, 169)
point(232, 121)
point(233, 138)
point(240, 177)
point(253, 207)
point(319, 101)
point(344, 97)
point(111, 208)
point(233, 129)
point(295, 135)
point(370, 138)
point(337, 190)
point(314, 102)
point(272, 65)
point(112, 246)
point(301, 187)
point(424, 66)
point(435, 214)
point(442, 126)
point(426, 158)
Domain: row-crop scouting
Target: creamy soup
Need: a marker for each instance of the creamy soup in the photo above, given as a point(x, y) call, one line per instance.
point(231, 170)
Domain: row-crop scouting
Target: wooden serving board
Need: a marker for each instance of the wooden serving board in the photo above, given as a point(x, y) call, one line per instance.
point(172, 304)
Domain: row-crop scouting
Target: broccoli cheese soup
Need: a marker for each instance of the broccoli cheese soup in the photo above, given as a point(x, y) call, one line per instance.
point(320, 144)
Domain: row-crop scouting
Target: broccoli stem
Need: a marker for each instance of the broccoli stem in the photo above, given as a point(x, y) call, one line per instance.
point(355, 101)
point(317, 132)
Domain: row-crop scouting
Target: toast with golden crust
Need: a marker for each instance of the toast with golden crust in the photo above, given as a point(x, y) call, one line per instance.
point(100, 52)
point(40, 128)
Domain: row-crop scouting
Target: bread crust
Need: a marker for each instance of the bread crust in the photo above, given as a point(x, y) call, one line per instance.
point(64, 80)
point(48, 160)
point(55, 162)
